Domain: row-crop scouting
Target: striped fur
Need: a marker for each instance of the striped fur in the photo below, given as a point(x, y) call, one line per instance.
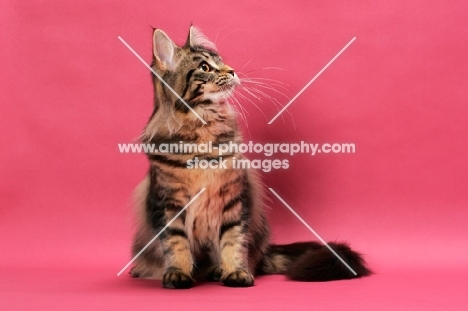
point(223, 235)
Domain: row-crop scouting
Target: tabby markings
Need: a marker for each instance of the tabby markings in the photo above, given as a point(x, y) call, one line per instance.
point(161, 79)
point(161, 231)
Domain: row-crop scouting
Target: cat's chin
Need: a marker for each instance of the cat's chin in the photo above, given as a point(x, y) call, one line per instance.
point(219, 97)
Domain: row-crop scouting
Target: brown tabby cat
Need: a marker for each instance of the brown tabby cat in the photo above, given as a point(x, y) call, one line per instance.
point(223, 235)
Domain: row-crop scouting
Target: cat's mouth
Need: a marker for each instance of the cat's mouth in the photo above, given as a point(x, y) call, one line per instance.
point(218, 93)
point(227, 88)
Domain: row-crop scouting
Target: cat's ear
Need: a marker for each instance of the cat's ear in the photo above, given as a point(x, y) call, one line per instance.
point(164, 50)
point(197, 38)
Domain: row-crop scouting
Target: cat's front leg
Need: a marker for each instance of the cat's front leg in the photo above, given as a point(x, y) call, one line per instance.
point(234, 255)
point(177, 255)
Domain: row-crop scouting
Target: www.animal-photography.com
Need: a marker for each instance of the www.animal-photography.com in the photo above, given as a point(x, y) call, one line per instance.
point(203, 155)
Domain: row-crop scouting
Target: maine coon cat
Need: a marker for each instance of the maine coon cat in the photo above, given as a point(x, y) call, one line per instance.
point(224, 234)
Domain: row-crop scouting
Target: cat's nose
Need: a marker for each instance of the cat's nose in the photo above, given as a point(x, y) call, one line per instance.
point(229, 70)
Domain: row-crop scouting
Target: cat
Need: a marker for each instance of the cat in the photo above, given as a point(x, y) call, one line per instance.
point(224, 234)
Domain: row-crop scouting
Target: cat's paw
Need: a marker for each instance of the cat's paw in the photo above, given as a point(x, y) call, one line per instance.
point(214, 275)
point(238, 278)
point(177, 280)
point(135, 273)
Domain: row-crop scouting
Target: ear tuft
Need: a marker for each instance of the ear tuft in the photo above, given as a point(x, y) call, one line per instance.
point(163, 50)
point(197, 38)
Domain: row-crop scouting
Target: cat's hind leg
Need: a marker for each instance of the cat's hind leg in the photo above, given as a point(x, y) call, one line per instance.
point(150, 263)
point(146, 270)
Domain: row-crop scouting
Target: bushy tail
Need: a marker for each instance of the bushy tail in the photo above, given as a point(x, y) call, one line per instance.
point(312, 261)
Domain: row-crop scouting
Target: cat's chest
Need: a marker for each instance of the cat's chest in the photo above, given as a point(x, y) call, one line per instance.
point(204, 216)
point(205, 221)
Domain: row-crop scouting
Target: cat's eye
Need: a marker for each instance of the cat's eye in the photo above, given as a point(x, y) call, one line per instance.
point(205, 67)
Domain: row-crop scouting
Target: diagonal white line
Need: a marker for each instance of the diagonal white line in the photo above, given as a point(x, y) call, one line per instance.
point(310, 82)
point(161, 79)
point(159, 233)
point(313, 231)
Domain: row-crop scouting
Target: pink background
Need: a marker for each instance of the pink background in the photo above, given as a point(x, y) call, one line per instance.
point(71, 91)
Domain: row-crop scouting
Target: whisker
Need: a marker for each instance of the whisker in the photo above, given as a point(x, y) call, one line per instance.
point(245, 97)
point(246, 64)
point(279, 103)
point(263, 94)
point(264, 68)
point(219, 31)
point(277, 68)
point(255, 57)
point(241, 106)
point(230, 33)
point(267, 86)
point(241, 114)
point(264, 79)
point(273, 100)
point(247, 90)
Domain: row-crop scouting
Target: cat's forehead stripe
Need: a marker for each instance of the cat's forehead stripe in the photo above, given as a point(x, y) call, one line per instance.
point(201, 49)
point(204, 56)
point(207, 55)
point(197, 58)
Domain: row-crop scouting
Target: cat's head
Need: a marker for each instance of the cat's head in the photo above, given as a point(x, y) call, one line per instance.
point(194, 71)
